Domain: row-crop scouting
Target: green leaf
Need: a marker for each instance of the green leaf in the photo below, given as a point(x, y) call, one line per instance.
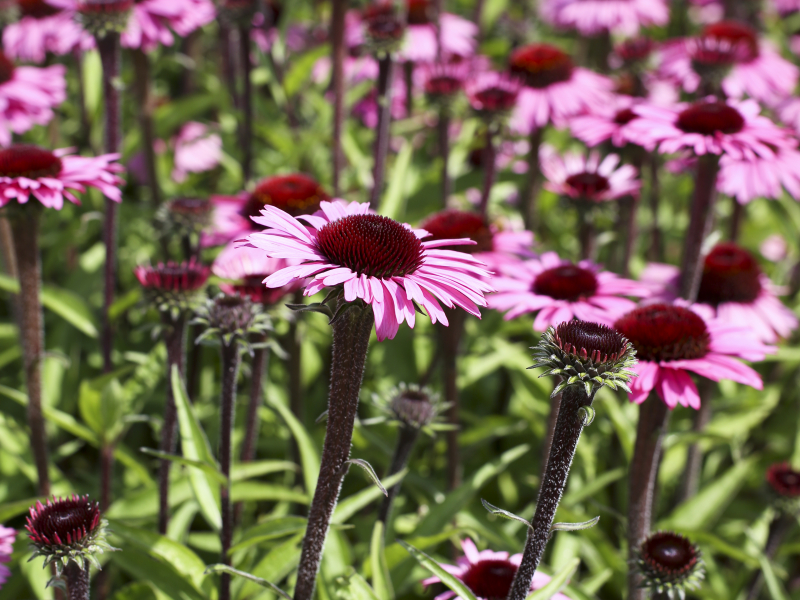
point(248, 470)
point(256, 491)
point(557, 583)
point(504, 513)
point(393, 205)
point(381, 580)
point(574, 526)
point(773, 585)
point(308, 452)
point(591, 488)
point(370, 473)
point(351, 505)
point(301, 67)
point(162, 575)
point(276, 564)
point(209, 470)
point(262, 582)
point(195, 446)
point(274, 528)
point(12, 509)
point(451, 581)
point(102, 406)
point(354, 587)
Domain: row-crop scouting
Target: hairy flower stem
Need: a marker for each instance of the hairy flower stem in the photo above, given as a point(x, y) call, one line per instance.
point(533, 183)
point(175, 340)
point(408, 76)
point(450, 340)
point(406, 438)
point(653, 417)
point(694, 459)
point(443, 130)
point(705, 193)
point(737, 216)
point(246, 126)
point(628, 206)
point(106, 474)
point(778, 530)
point(84, 133)
point(141, 66)
point(571, 420)
point(77, 580)
point(656, 250)
point(552, 419)
point(230, 372)
point(587, 235)
point(110, 57)
point(385, 68)
point(227, 64)
point(489, 159)
point(31, 330)
point(337, 82)
point(351, 333)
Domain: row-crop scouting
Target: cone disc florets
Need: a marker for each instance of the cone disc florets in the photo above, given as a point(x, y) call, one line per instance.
point(173, 288)
point(785, 484)
point(411, 405)
point(588, 354)
point(669, 564)
point(67, 530)
point(185, 216)
point(233, 319)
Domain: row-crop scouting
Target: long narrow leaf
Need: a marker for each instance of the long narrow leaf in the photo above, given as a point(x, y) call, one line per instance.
point(557, 583)
point(449, 580)
point(262, 582)
point(381, 580)
point(308, 452)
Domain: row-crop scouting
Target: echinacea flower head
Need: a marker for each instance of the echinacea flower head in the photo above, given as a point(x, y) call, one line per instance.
point(7, 537)
point(488, 574)
point(585, 354)
point(491, 94)
point(232, 319)
point(784, 482)
point(374, 259)
point(173, 288)
point(67, 530)
point(591, 17)
point(633, 52)
point(102, 17)
point(444, 82)
point(670, 565)
point(672, 340)
point(458, 35)
point(197, 149)
point(411, 405)
point(50, 177)
point(559, 290)
point(710, 126)
point(43, 28)
point(383, 26)
point(748, 178)
point(734, 290)
point(553, 88)
point(585, 177)
point(185, 216)
point(608, 122)
point(246, 269)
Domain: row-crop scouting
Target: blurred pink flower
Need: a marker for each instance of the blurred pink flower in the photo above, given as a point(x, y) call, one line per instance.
point(50, 177)
point(491, 93)
point(591, 17)
point(7, 537)
point(607, 122)
point(197, 149)
point(774, 248)
point(487, 574)
point(559, 291)
point(760, 176)
point(247, 268)
point(384, 263)
point(582, 176)
point(786, 7)
point(42, 29)
point(672, 340)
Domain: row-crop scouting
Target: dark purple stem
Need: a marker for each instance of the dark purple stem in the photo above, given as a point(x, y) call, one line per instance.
point(77, 580)
point(705, 194)
point(142, 68)
point(406, 438)
point(227, 64)
point(175, 340)
point(408, 75)
point(737, 214)
point(642, 475)
point(450, 339)
point(351, 333)
point(586, 231)
point(31, 330)
point(337, 41)
point(694, 459)
point(260, 364)
point(530, 193)
point(382, 133)
point(489, 159)
point(247, 103)
point(84, 135)
point(570, 423)
point(552, 419)
point(656, 251)
point(109, 49)
point(444, 149)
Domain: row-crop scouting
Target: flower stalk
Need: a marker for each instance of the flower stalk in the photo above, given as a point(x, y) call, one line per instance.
point(443, 131)
point(489, 171)
point(337, 82)
point(655, 252)
point(406, 439)
point(141, 66)
point(77, 578)
point(246, 134)
point(533, 183)
point(385, 68)
point(351, 332)
point(450, 339)
point(694, 458)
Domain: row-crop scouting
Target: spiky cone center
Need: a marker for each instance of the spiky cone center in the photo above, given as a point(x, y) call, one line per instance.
point(635, 50)
point(730, 274)
point(588, 185)
point(30, 162)
point(297, 194)
point(540, 65)
point(784, 480)
point(67, 530)
point(490, 579)
point(734, 34)
point(587, 354)
point(493, 100)
point(663, 332)
point(625, 116)
point(384, 27)
point(102, 17)
point(670, 564)
point(566, 282)
point(370, 245)
point(173, 288)
point(444, 82)
point(413, 407)
point(232, 319)
point(459, 224)
point(38, 9)
point(710, 118)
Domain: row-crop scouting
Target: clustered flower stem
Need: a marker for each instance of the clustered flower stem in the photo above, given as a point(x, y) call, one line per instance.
point(31, 325)
point(587, 235)
point(385, 68)
point(110, 57)
point(450, 341)
point(337, 82)
point(246, 134)
point(142, 68)
point(628, 207)
point(570, 424)
point(406, 438)
point(655, 251)
point(230, 372)
point(260, 366)
point(351, 332)
point(533, 183)
point(175, 340)
point(489, 171)
point(443, 130)
point(77, 579)
point(694, 458)
point(653, 417)
point(737, 214)
point(699, 224)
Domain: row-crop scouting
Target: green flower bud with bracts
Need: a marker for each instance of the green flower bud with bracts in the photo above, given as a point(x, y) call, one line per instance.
point(67, 530)
point(670, 565)
point(184, 217)
point(101, 17)
point(411, 405)
point(588, 354)
point(233, 319)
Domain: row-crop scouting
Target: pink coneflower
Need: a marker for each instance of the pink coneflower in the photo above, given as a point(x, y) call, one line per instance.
point(184, 278)
point(42, 29)
point(756, 68)
point(784, 480)
point(7, 537)
point(50, 177)
point(247, 268)
point(296, 193)
point(384, 263)
point(786, 7)
point(487, 574)
point(492, 94)
point(443, 81)
point(609, 122)
point(591, 17)
point(734, 291)
point(710, 126)
point(585, 177)
point(672, 341)
point(197, 149)
point(760, 176)
point(458, 34)
point(774, 248)
point(28, 96)
point(559, 291)
point(553, 88)
point(788, 113)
